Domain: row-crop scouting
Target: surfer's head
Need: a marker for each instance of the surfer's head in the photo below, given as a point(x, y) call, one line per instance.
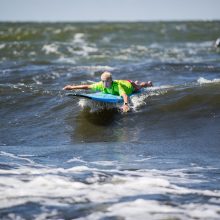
point(106, 78)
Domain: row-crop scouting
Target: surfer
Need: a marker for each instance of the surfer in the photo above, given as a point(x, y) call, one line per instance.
point(114, 87)
point(217, 43)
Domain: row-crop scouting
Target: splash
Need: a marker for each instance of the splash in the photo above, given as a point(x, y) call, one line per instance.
point(141, 100)
point(96, 106)
point(136, 101)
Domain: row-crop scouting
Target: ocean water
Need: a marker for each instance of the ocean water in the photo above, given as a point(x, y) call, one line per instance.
point(70, 158)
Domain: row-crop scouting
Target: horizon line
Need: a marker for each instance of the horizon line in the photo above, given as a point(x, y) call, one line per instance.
point(109, 21)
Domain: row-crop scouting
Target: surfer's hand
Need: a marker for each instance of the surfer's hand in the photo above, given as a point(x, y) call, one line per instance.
point(125, 108)
point(68, 87)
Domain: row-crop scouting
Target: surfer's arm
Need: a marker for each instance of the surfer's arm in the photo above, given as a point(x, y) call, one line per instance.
point(125, 106)
point(72, 87)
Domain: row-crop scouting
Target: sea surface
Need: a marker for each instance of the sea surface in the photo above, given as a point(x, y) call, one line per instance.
point(69, 158)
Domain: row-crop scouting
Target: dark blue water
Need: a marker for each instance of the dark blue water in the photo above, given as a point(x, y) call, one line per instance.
point(69, 158)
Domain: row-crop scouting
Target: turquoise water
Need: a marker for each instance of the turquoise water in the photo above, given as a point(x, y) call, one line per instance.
point(70, 158)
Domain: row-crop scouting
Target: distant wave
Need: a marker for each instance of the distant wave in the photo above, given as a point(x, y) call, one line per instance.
point(70, 43)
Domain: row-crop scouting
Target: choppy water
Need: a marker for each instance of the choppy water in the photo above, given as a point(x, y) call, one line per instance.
point(66, 158)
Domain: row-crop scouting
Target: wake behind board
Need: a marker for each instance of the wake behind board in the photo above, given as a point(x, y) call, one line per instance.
point(101, 97)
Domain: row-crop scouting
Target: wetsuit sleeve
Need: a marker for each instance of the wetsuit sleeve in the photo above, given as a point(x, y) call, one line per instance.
point(97, 86)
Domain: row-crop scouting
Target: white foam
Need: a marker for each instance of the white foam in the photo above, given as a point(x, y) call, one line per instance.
point(79, 38)
point(2, 46)
point(36, 80)
point(63, 59)
point(85, 50)
point(141, 100)
point(26, 155)
point(130, 194)
point(95, 106)
point(105, 163)
point(32, 53)
point(144, 159)
point(76, 159)
point(122, 57)
point(199, 45)
point(86, 103)
point(69, 28)
point(50, 48)
point(202, 80)
point(79, 169)
point(141, 209)
point(57, 31)
point(83, 47)
point(89, 49)
point(202, 211)
point(106, 39)
point(96, 68)
point(160, 89)
point(2, 153)
point(180, 52)
point(92, 70)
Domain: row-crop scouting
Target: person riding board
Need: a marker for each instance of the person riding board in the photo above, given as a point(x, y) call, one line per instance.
point(114, 87)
